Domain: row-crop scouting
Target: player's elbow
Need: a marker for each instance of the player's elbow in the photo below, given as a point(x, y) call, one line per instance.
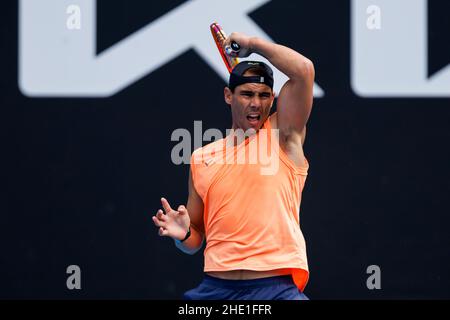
point(305, 69)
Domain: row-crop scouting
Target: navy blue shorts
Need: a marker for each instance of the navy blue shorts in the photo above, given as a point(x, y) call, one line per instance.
point(272, 288)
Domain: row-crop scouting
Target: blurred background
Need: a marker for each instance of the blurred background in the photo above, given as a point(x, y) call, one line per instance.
point(91, 92)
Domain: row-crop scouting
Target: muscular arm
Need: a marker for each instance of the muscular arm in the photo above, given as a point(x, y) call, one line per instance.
point(296, 97)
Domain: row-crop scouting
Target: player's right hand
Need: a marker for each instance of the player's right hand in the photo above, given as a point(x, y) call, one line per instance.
point(243, 41)
point(174, 223)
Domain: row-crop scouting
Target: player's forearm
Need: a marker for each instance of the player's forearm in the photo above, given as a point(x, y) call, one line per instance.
point(192, 244)
point(288, 61)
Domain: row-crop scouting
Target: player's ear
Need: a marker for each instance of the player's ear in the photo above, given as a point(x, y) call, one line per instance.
point(227, 95)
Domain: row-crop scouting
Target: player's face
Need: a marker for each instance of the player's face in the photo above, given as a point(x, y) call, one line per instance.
point(250, 105)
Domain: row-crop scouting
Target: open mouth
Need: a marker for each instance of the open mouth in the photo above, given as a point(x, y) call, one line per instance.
point(253, 118)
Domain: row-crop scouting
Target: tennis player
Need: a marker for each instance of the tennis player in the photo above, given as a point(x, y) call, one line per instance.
point(255, 249)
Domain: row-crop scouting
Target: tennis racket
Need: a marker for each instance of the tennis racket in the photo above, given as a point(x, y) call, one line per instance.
point(219, 37)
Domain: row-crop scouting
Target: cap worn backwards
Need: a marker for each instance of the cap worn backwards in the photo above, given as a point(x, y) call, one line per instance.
point(237, 74)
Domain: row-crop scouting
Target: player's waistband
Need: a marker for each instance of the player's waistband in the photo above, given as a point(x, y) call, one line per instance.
point(251, 283)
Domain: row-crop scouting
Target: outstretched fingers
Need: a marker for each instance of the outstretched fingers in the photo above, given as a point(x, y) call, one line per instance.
point(159, 219)
point(166, 221)
point(166, 205)
point(161, 216)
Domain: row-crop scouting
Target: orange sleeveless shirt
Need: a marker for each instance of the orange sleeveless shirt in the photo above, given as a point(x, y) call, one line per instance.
point(251, 195)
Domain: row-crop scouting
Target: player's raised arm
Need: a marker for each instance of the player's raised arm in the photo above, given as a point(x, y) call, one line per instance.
point(296, 97)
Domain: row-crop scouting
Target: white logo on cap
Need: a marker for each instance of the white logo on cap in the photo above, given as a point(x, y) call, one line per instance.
point(262, 79)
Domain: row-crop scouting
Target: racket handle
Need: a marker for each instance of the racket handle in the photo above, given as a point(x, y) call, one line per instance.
point(233, 47)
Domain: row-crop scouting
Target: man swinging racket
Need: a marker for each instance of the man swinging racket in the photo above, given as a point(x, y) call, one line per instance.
point(255, 249)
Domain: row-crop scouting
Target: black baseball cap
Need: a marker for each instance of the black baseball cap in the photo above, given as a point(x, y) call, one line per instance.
point(237, 78)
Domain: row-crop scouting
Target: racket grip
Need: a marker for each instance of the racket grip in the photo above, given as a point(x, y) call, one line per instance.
point(233, 48)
